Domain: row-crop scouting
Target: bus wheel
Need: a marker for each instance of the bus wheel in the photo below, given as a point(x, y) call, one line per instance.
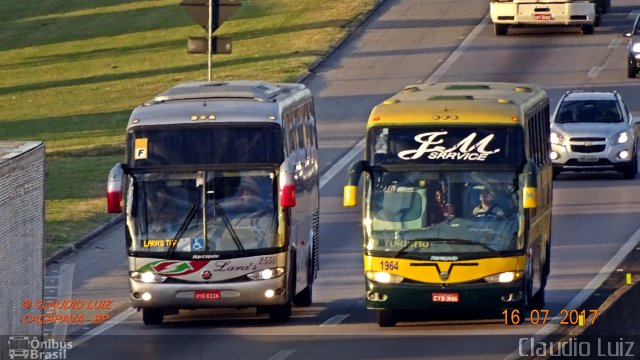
point(386, 318)
point(587, 29)
point(152, 316)
point(537, 301)
point(280, 313)
point(305, 297)
point(500, 29)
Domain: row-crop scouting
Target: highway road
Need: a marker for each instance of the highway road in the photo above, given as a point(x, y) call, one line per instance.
point(403, 42)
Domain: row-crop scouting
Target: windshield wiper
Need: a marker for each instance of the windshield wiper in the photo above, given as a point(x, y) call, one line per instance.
point(183, 227)
point(452, 241)
point(229, 226)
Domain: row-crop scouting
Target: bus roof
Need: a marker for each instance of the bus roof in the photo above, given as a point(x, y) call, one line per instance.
point(457, 103)
point(228, 101)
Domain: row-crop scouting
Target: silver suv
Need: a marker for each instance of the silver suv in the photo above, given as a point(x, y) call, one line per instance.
point(592, 131)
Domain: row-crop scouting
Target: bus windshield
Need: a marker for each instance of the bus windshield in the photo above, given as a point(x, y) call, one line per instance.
point(423, 213)
point(203, 212)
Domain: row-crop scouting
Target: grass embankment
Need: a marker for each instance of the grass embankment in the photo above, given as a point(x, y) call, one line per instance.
point(71, 71)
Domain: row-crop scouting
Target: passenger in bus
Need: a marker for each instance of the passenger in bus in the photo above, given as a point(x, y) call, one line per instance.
point(487, 207)
point(443, 209)
point(162, 212)
point(251, 190)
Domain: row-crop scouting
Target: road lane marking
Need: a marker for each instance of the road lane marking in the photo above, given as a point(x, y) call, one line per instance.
point(594, 71)
point(335, 320)
point(104, 327)
point(344, 161)
point(282, 354)
point(435, 77)
point(589, 289)
point(65, 291)
point(615, 42)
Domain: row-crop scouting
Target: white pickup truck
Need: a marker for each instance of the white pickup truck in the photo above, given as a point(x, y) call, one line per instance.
point(516, 13)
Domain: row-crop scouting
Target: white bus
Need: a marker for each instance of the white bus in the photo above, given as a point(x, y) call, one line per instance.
point(220, 193)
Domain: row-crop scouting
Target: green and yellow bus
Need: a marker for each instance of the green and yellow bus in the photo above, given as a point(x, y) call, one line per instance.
point(456, 208)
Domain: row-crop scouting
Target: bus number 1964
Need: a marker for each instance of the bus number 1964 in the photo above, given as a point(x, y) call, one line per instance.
point(388, 265)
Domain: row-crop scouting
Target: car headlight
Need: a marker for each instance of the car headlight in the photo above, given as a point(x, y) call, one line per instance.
point(635, 48)
point(384, 277)
point(505, 277)
point(621, 138)
point(556, 138)
point(266, 274)
point(147, 277)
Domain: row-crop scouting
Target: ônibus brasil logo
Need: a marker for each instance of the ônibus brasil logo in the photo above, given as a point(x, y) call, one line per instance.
point(32, 347)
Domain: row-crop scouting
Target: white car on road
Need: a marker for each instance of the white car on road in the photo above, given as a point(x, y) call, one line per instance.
point(592, 131)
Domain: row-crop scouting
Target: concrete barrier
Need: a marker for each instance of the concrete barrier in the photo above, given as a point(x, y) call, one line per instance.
point(22, 174)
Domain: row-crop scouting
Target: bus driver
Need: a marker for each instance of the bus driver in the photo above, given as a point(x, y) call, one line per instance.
point(487, 207)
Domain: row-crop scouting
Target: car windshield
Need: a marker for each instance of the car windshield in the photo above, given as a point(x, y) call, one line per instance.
point(589, 111)
point(202, 212)
point(418, 213)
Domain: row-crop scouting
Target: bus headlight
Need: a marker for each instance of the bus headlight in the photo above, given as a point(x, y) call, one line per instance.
point(621, 138)
point(384, 277)
point(636, 48)
point(147, 277)
point(266, 274)
point(505, 277)
point(556, 138)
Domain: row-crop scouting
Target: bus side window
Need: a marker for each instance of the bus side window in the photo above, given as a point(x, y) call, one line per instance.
point(309, 122)
point(289, 134)
point(300, 133)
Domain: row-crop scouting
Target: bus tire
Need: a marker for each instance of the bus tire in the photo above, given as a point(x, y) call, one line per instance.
point(280, 313)
point(386, 318)
point(152, 316)
point(537, 301)
point(546, 269)
point(500, 29)
point(587, 29)
point(305, 297)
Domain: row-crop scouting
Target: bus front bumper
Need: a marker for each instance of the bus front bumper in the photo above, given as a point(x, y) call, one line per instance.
point(208, 295)
point(421, 296)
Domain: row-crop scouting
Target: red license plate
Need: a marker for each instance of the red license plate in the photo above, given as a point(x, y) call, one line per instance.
point(207, 295)
point(542, 16)
point(445, 297)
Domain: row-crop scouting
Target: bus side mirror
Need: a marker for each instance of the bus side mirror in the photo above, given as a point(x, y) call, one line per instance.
point(353, 178)
point(530, 184)
point(287, 186)
point(114, 189)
